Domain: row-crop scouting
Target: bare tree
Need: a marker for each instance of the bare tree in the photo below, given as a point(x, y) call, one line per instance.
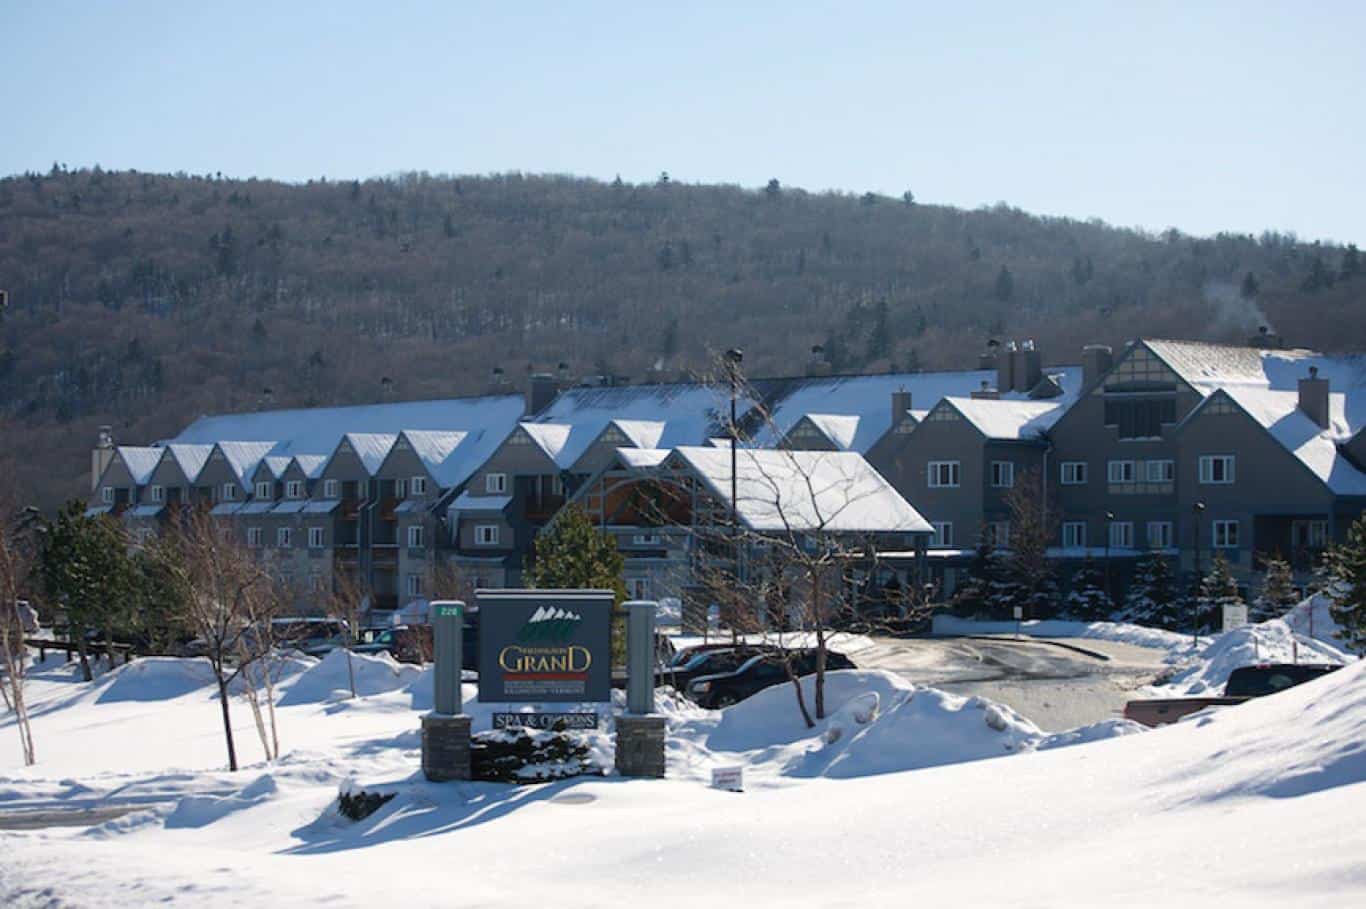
point(224, 590)
point(262, 661)
point(347, 599)
point(16, 563)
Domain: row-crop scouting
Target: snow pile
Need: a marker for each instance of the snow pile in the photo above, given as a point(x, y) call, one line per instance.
point(1120, 632)
point(154, 679)
point(1268, 642)
point(330, 678)
point(843, 642)
point(202, 810)
point(1313, 618)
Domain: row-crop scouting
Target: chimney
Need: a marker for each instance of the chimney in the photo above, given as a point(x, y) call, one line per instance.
point(1314, 398)
point(1028, 369)
point(1266, 338)
point(1005, 368)
point(267, 398)
point(540, 392)
point(819, 365)
point(987, 359)
point(498, 383)
point(986, 392)
point(1096, 360)
point(386, 385)
point(562, 376)
point(901, 402)
point(102, 454)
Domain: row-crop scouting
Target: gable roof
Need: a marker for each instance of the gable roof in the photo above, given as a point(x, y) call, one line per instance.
point(1005, 420)
point(779, 489)
point(370, 448)
point(839, 429)
point(243, 457)
point(140, 461)
point(190, 458)
point(1278, 412)
point(276, 464)
point(551, 439)
point(311, 465)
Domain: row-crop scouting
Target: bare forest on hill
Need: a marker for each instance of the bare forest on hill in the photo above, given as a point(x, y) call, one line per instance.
point(144, 300)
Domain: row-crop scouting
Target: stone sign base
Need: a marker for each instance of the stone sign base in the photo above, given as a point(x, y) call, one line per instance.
point(640, 745)
point(445, 747)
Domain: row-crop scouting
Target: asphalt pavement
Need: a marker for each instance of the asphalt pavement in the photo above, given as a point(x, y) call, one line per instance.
point(1053, 683)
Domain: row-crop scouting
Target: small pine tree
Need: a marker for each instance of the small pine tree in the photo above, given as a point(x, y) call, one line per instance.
point(1278, 592)
point(1217, 590)
point(970, 597)
point(572, 554)
point(1152, 598)
point(1088, 600)
point(1347, 564)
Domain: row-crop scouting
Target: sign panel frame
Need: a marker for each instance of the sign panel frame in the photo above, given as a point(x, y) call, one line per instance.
point(545, 646)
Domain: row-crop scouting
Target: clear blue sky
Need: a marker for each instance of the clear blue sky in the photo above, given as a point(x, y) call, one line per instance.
point(1203, 116)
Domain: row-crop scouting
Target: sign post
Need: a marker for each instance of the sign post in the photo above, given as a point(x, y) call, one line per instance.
point(640, 731)
point(446, 731)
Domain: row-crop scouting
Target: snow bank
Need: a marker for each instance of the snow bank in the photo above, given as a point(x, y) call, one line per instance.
point(1119, 632)
point(154, 679)
point(1312, 618)
point(840, 641)
point(1268, 642)
point(202, 810)
point(330, 678)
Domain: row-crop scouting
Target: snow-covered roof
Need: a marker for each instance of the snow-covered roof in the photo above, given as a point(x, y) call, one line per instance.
point(311, 465)
point(225, 508)
point(98, 509)
point(243, 457)
point(277, 465)
point(840, 429)
point(1279, 413)
point(777, 490)
point(191, 457)
point(467, 502)
point(145, 511)
point(289, 506)
point(317, 430)
point(444, 454)
point(320, 506)
point(371, 448)
point(642, 457)
point(140, 461)
point(651, 416)
point(551, 438)
point(868, 398)
point(1009, 419)
point(258, 506)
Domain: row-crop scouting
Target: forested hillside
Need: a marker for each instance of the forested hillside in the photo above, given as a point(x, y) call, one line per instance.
point(144, 300)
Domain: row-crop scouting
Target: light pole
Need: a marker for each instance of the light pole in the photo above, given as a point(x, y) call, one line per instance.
point(734, 357)
point(1198, 508)
point(1109, 520)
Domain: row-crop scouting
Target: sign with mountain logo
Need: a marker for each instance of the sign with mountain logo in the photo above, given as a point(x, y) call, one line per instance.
point(545, 646)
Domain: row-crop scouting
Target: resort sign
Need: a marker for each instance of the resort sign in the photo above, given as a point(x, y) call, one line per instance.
point(545, 646)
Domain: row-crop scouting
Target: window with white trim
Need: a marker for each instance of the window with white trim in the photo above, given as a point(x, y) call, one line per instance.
point(107, 495)
point(486, 534)
point(331, 489)
point(496, 482)
point(645, 539)
point(1225, 534)
point(996, 533)
point(400, 489)
point(943, 534)
point(414, 585)
point(316, 537)
point(158, 494)
point(1074, 534)
point(1163, 471)
point(1121, 534)
point(640, 588)
point(1160, 535)
point(265, 491)
point(229, 492)
point(1073, 473)
point(1217, 470)
point(294, 489)
point(1120, 471)
point(942, 474)
point(418, 486)
point(284, 537)
point(254, 537)
point(415, 536)
point(1002, 474)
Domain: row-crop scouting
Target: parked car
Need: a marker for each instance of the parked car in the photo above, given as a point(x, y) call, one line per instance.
point(757, 673)
point(709, 661)
point(314, 636)
point(1244, 683)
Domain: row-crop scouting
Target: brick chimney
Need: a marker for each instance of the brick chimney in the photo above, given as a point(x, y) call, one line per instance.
point(986, 392)
point(1266, 338)
point(541, 390)
point(1005, 367)
point(818, 365)
point(1028, 369)
point(1096, 360)
point(988, 358)
point(1314, 398)
point(901, 402)
point(101, 455)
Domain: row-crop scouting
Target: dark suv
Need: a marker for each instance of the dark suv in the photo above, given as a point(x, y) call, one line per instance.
point(756, 674)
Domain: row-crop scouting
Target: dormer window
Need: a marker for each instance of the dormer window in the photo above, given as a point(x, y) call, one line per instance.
point(265, 491)
point(229, 492)
point(496, 483)
point(419, 486)
point(158, 494)
point(294, 489)
point(331, 489)
point(107, 495)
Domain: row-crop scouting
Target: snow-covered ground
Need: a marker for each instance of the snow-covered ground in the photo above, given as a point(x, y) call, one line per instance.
point(904, 794)
point(1174, 643)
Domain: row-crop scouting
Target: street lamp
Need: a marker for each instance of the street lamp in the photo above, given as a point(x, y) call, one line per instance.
point(1198, 508)
point(1109, 520)
point(734, 357)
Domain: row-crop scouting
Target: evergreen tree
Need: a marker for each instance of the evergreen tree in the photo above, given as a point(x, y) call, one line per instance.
point(1250, 286)
point(774, 189)
point(908, 197)
point(1351, 262)
point(1217, 590)
point(1152, 598)
point(970, 597)
point(1089, 601)
point(1278, 592)
point(1005, 284)
point(879, 336)
point(1347, 564)
point(572, 554)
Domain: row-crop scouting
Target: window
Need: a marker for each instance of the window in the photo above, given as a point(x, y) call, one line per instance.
point(1226, 534)
point(1121, 534)
point(486, 534)
point(1003, 474)
point(996, 533)
point(1074, 534)
point(294, 489)
point(645, 539)
point(284, 537)
point(557, 485)
point(316, 537)
point(330, 489)
point(158, 494)
point(1216, 469)
point(254, 537)
point(1121, 471)
point(1309, 534)
point(640, 588)
point(943, 534)
point(1161, 471)
point(496, 482)
point(415, 536)
point(418, 486)
point(265, 490)
point(362, 488)
point(943, 474)
point(1073, 473)
point(414, 586)
point(1141, 418)
point(400, 489)
point(229, 492)
point(1160, 535)
point(107, 495)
